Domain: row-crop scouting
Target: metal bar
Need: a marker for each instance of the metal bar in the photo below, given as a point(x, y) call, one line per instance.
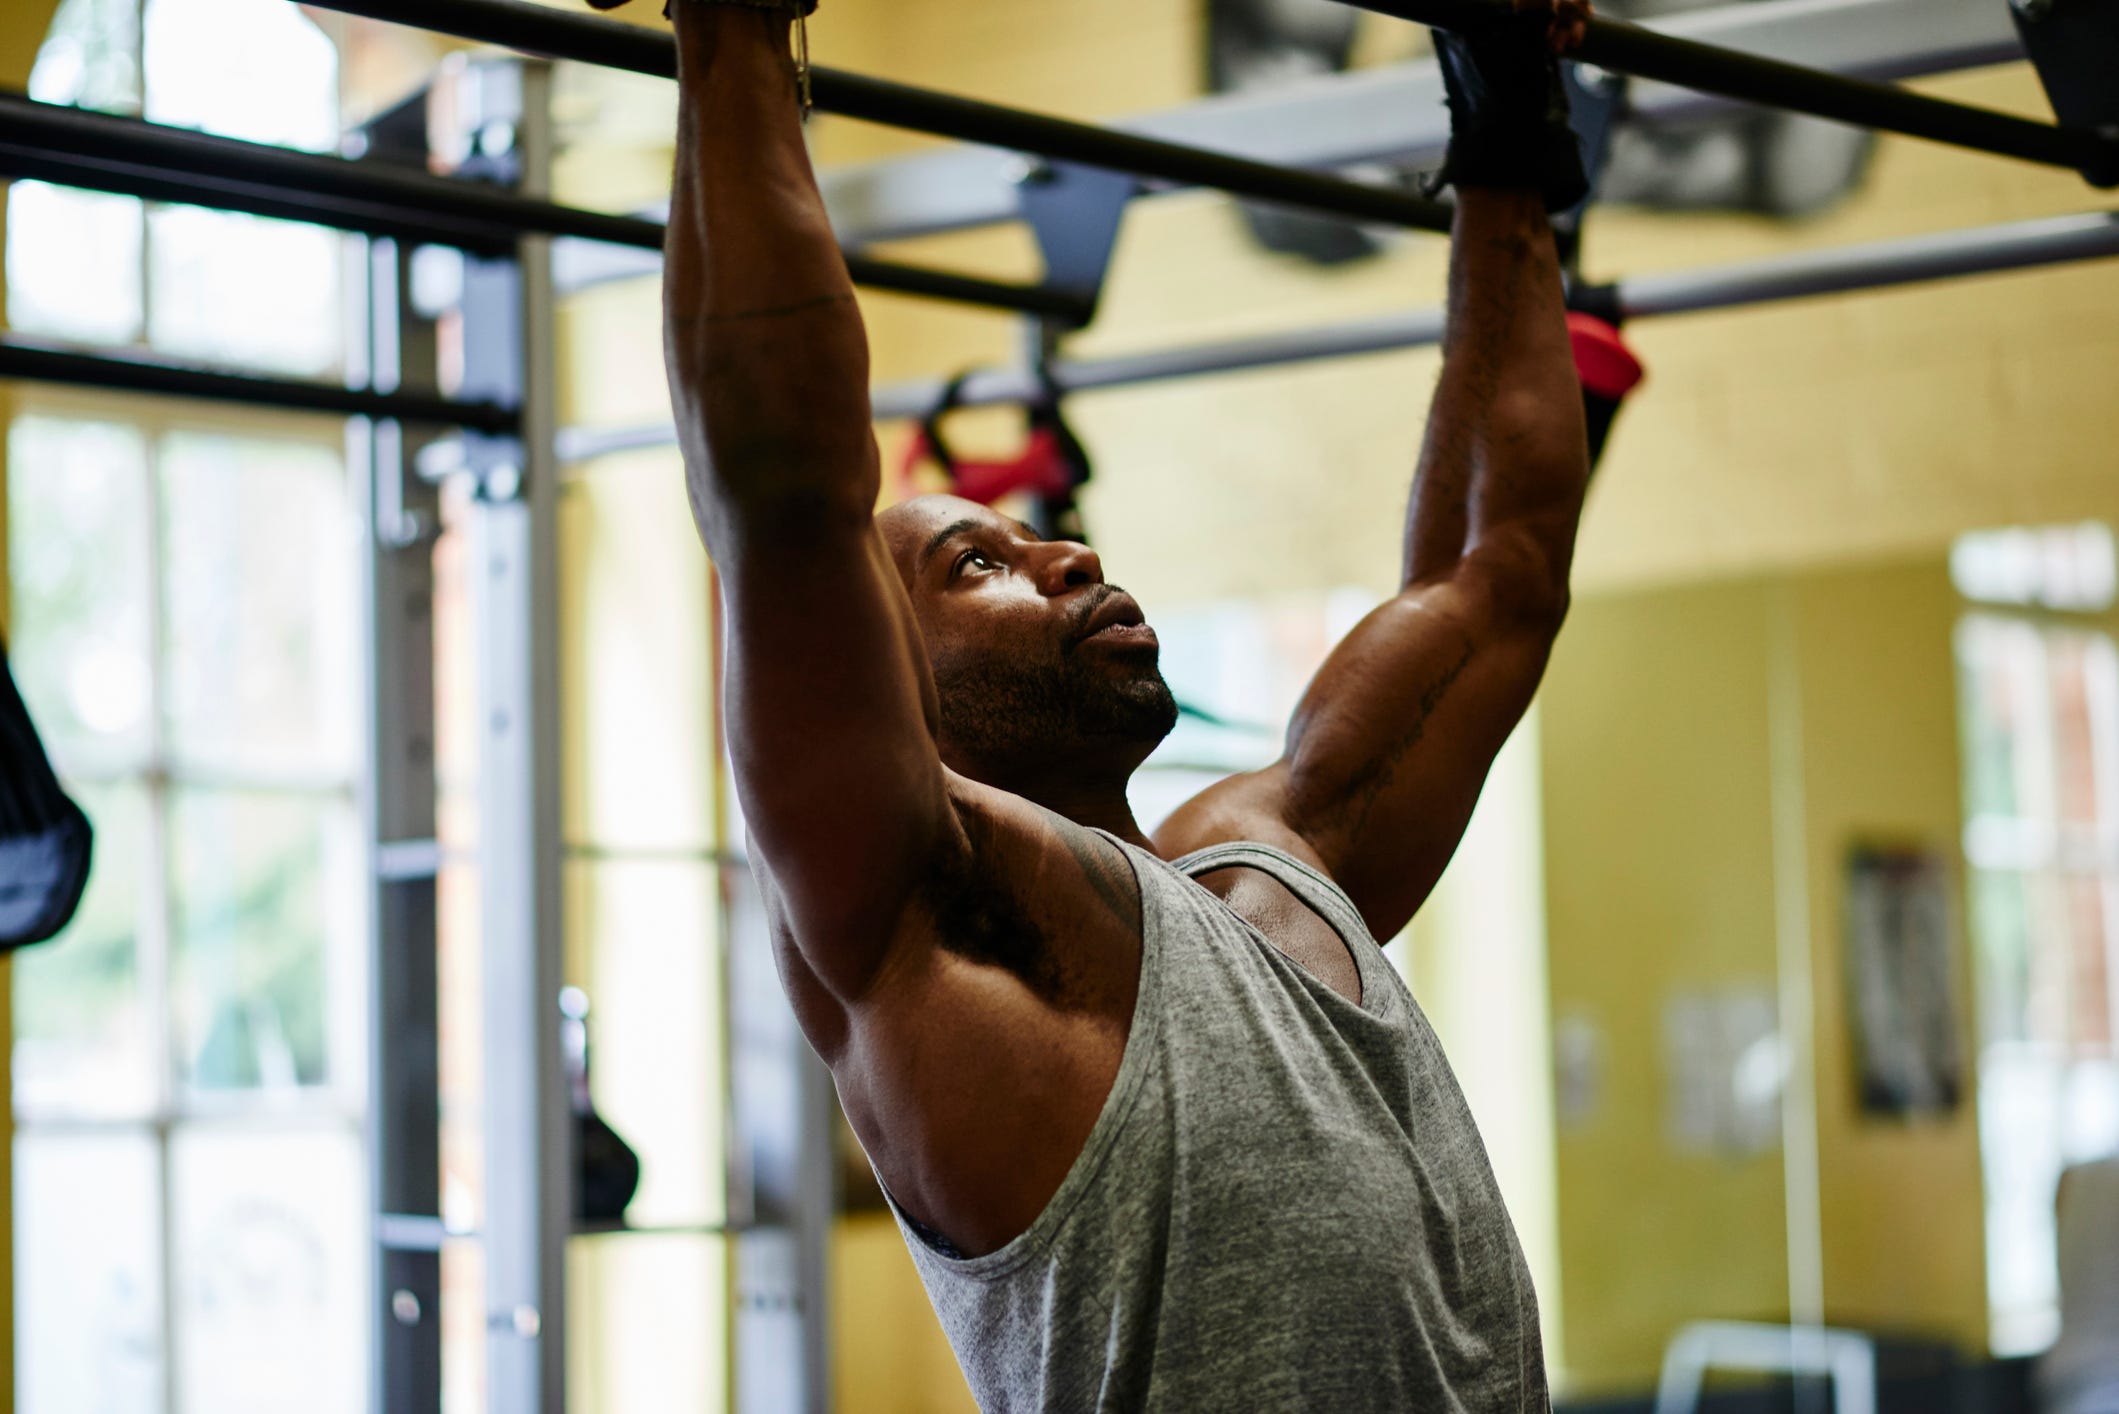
point(34, 362)
point(106, 153)
point(1646, 53)
point(1986, 250)
point(400, 516)
point(615, 45)
point(1395, 113)
point(507, 317)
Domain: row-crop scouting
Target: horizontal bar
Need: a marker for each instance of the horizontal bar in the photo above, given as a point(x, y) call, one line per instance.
point(1988, 250)
point(103, 152)
point(1652, 54)
point(612, 44)
point(1395, 113)
point(29, 361)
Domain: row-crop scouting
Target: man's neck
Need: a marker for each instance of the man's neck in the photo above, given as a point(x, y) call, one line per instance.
point(1088, 797)
point(1095, 807)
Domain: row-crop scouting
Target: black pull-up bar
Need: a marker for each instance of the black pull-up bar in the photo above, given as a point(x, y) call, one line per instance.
point(1611, 44)
point(1646, 53)
point(615, 45)
point(103, 152)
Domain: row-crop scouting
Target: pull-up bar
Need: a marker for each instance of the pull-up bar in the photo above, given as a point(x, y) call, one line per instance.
point(1649, 54)
point(612, 44)
point(102, 152)
point(1624, 48)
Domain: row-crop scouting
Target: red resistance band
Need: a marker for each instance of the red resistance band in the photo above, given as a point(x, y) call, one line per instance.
point(1051, 466)
point(1043, 469)
point(1609, 369)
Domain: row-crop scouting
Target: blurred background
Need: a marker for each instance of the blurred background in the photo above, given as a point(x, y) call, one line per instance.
point(1781, 964)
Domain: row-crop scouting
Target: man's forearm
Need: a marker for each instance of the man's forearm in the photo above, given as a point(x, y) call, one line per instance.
point(767, 355)
point(1506, 445)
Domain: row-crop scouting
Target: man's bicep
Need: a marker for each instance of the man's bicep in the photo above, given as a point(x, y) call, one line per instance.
point(830, 723)
point(1392, 744)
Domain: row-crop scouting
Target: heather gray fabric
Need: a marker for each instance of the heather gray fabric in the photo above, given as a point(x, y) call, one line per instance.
point(1283, 1206)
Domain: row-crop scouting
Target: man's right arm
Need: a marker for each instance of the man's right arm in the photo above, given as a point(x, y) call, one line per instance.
point(830, 706)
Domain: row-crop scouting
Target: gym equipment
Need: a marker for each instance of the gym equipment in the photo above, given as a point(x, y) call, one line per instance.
point(45, 840)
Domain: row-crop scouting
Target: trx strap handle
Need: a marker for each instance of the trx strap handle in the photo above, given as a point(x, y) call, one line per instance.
point(1051, 466)
point(1609, 370)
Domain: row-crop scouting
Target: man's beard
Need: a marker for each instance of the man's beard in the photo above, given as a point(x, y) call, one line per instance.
point(1005, 712)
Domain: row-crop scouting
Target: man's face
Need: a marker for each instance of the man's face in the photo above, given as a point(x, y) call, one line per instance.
point(1039, 664)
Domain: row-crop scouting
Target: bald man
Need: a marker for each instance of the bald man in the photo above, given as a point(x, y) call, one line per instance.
point(1163, 1128)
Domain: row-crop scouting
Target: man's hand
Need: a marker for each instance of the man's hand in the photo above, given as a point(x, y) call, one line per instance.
point(1508, 102)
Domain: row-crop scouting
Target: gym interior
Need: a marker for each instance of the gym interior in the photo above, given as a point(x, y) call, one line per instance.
point(1780, 964)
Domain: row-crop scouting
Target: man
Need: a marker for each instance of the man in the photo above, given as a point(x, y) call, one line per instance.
point(1163, 1127)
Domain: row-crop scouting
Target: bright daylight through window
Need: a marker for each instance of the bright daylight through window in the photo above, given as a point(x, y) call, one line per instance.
point(188, 1066)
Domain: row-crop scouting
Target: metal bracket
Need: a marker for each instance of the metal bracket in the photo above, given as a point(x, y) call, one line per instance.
point(2074, 45)
point(1075, 213)
point(1846, 1358)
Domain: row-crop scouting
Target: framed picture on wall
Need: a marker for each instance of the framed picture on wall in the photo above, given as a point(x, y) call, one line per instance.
point(1908, 1044)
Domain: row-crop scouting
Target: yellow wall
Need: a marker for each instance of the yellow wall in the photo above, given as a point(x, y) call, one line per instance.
point(1658, 847)
point(22, 28)
point(1902, 1215)
point(1684, 727)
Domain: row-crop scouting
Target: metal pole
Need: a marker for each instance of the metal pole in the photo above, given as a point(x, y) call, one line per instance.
point(609, 43)
point(42, 363)
point(1651, 54)
point(106, 153)
point(2021, 245)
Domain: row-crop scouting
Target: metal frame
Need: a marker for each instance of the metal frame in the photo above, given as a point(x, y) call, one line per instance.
point(1846, 1358)
point(1657, 54)
point(611, 44)
point(102, 152)
point(35, 361)
point(1395, 114)
point(2020, 245)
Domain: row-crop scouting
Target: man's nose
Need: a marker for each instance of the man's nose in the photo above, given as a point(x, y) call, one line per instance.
point(1066, 565)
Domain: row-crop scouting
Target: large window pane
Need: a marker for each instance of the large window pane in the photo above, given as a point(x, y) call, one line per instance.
point(77, 561)
point(236, 289)
point(251, 69)
point(91, 57)
point(258, 540)
point(264, 892)
point(270, 1251)
point(88, 1278)
point(83, 1038)
point(74, 264)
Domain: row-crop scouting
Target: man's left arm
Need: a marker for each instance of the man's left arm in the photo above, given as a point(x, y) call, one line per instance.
point(1390, 747)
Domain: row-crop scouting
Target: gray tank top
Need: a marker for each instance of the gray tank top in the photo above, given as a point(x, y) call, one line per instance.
point(1284, 1204)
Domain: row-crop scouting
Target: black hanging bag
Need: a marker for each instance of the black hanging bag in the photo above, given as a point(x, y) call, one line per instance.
point(44, 837)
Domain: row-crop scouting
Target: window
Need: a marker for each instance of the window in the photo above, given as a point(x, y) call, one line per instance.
point(2040, 724)
point(209, 285)
point(189, 1057)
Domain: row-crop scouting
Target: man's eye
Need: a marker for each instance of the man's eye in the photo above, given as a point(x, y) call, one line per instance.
point(974, 559)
